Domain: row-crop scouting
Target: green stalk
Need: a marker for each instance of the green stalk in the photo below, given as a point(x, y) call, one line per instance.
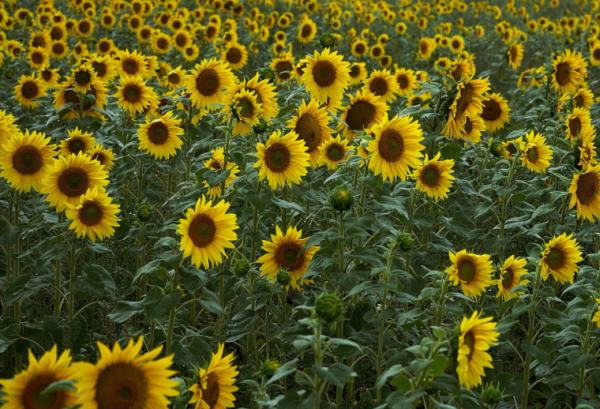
point(505, 204)
point(530, 332)
point(386, 277)
point(57, 272)
point(171, 325)
point(72, 265)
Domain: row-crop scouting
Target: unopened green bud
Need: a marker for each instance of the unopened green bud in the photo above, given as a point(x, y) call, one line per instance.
point(241, 267)
point(341, 199)
point(491, 395)
point(405, 241)
point(269, 367)
point(284, 278)
point(145, 213)
point(496, 148)
point(329, 307)
point(267, 73)
point(261, 127)
point(327, 40)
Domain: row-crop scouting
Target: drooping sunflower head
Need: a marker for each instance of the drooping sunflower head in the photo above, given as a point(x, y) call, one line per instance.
point(472, 129)
point(333, 151)
point(396, 148)
point(476, 336)
point(207, 81)
point(510, 277)
point(461, 69)
point(287, 252)
point(70, 177)
point(382, 84)
point(363, 112)
point(25, 389)
point(326, 75)
point(535, 153)
point(215, 163)
point(435, 177)
point(28, 90)
point(311, 126)
point(473, 272)
point(585, 193)
point(95, 216)
point(160, 137)
point(560, 258)
point(282, 160)
point(206, 232)
point(468, 101)
point(495, 112)
point(26, 159)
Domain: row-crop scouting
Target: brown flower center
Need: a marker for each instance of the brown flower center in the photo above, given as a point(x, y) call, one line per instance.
point(211, 32)
point(575, 126)
point(309, 130)
point(391, 145)
point(402, 81)
point(556, 258)
point(283, 69)
point(30, 90)
point(277, 157)
point(27, 160)
point(335, 152)
point(37, 58)
point(132, 93)
point(246, 108)
point(58, 48)
point(359, 49)
point(507, 278)
point(491, 110)
point(73, 182)
point(99, 157)
point(158, 133)
point(360, 115)
point(355, 71)
point(466, 270)
point(162, 43)
point(84, 27)
point(324, 73)
point(532, 154)
point(465, 99)
point(306, 30)
point(121, 386)
point(202, 230)
point(587, 188)
point(596, 54)
point(181, 40)
point(379, 86)
point(33, 398)
point(75, 145)
point(469, 340)
point(208, 82)
point(430, 176)
point(563, 73)
point(83, 78)
point(234, 55)
point(174, 78)
point(288, 257)
point(90, 214)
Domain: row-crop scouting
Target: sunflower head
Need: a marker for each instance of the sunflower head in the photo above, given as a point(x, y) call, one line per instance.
point(471, 271)
point(560, 258)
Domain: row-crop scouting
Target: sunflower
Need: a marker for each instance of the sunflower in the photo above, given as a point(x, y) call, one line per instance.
point(82, 78)
point(131, 64)
point(39, 58)
point(287, 253)
point(106, 157)
point(326, 75)
point(359, 48)
point(161, 42)
point(421, 100)
point(50, 77)
point(585, 193)
point(406, 80)
point(396, 148)
point(568, 72)
point(283, 159)
point(511, 148)
point(160, 137)
point(122, 378)
point(426, 47)
point(235, 55)
point(216, 384)
point(104, 67)
point(95, 216)
point(246, 108)
point(579, 123)
point(181, 40)
point(26, 159)
point(70, 177)
point(25, 390)
point(283, 66)
point(207, 82)
point(333, 151)
point(299, 70)
point(461, 69)
point(8, 129)
point(472, 129)
point(59, 49)
point(515, 55)
point(473, 272)
point(476, 336)
point(560, 258)
point(495, 112)
point(216, 164)
point(382, 84)
point(536, 155)
point(510, 277)
point(29, 89)
point(595, 54)
point(77, 141)
point(587, 150)
point(311, 126)
point(307, 31)
point(377, 51)
point(583, 98)
point(133, 95)
point(467, 102)
point(206, 232)
point(434, 177)
point(358, 73)
point(105, 46)
point(65, 95)
point(363, 112)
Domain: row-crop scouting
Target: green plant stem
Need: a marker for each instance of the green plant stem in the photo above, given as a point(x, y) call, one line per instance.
point(16, 271)
point(505, 202)
point(171, 325)
point(58, 272)
point(284, 218)
point(72, 266)
point(386, 278)
point(530, 332)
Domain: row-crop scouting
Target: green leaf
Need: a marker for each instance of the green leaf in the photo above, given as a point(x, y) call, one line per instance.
point(156, 304)
point(210, 302)
point(451, 151)
point(287, 205)
point(9, 234)
point(213, 178)
point(124, 310)
point(60, 386)
point(393, 203)
point(445, 383)
point(149, 268)
point(336, 374)
point(284, 370)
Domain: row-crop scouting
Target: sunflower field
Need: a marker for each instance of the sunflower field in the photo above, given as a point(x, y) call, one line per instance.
point(299, 204)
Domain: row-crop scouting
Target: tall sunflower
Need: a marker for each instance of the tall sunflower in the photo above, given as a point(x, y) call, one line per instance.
point(510, 277)
point(287, 252)
point(133, 95)
point(82, 78)
point(283, 159)
point(363, 112)
point(560, 258)
point(215, 385)
point(407, 81)
point(578, 122)
point(206, 232)
point(29, 89)
point(26, 159)
point(24, 391)
point(435, 177)
point(122, 378)
point(467, 102)
point(70, 177)
point(495, 112)
point(326, 75)
point(311, 126)
point(396, 148)
point(383, 84)
point(216, 164)
point(206, 83)
point(536, 155)
point(333, 151)
point(569, 68)
point(77, 141)
point(585, 193)
point(476, 336)
point(472, 271)
point(160, 137)
point(95, 216)
point(8, 129)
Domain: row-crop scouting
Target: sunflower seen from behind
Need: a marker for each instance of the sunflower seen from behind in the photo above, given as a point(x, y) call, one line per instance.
point(24, 391)
point(326, 75)
point(126, 378)
point(585, 193)
point(435, 178)
point(207, 82)
point(510, 277)
point(70, 177)
point(206, 232)
point(26, 159)
point(476, 336)
point(396, 148)
point(560, 258)
point(287, 252)
point(95, 216)
point(473, 272)
point(310, 124)
point(214, 385)
point(160, 137)
point(282, 160)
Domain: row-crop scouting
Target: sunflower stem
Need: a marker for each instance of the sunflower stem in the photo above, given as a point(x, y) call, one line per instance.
point(72, 262)
point(386, 278)
point(530, 331)
point(171, 325)
point(58, 272)
point(284, 218)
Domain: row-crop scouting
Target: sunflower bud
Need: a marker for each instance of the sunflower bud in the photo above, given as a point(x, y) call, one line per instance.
point(267, 73)
point(241, 267)
point(284, 278)
point(491, 396)
point(269, 367)
point(145, 213)
point(341, 199)
point(496, 148)
point(405, 241)
point(329, 307)
point(327, 40)
point(9, 74)
point(261, 127)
